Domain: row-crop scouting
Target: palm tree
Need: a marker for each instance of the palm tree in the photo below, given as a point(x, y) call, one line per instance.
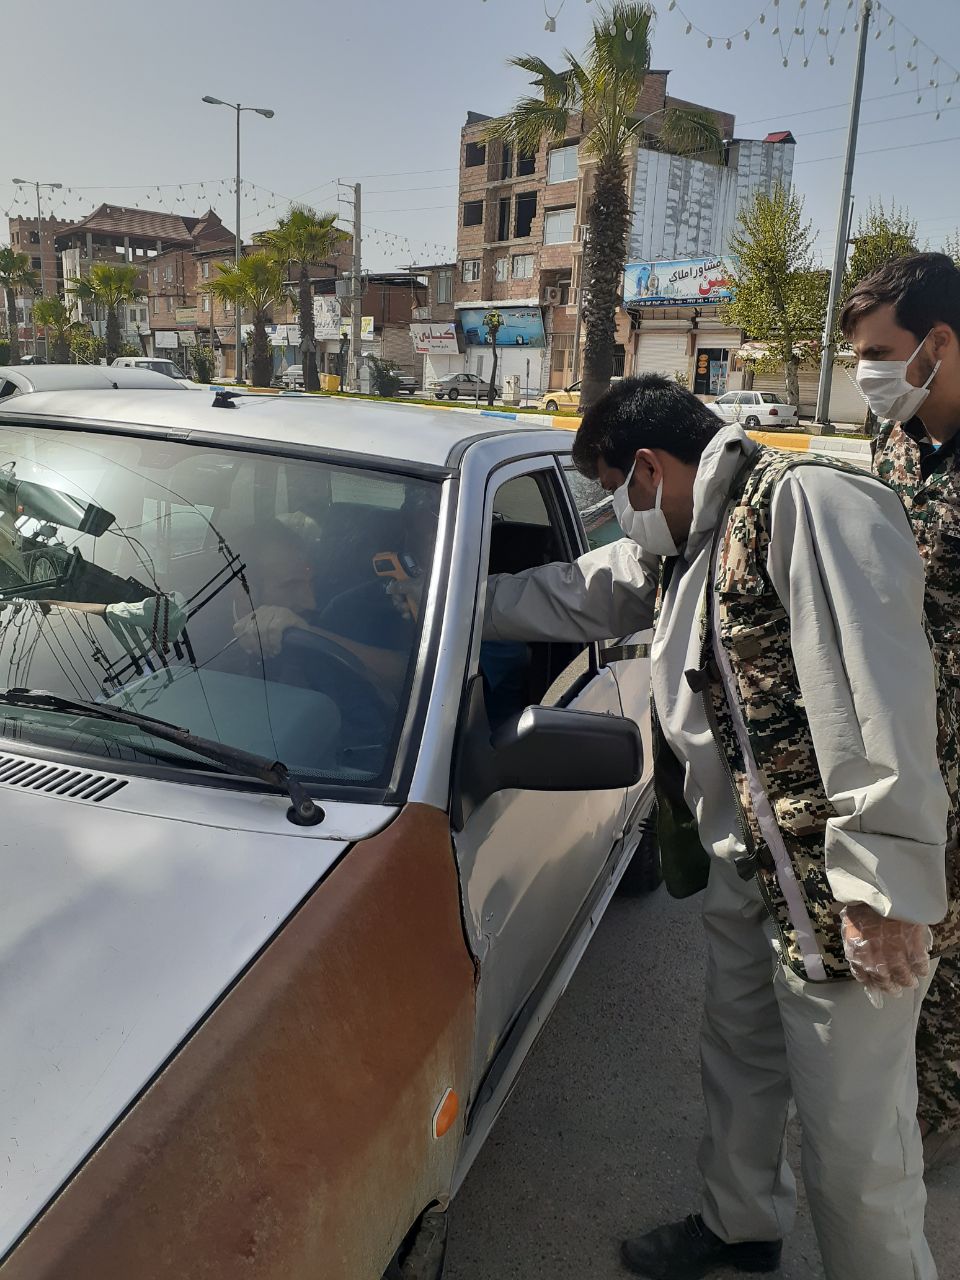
point(255, 283)
point(110, 287)
point(54, 315)
point(604, 88)
point(15, 274)
point(493, 323)
point(305, 237)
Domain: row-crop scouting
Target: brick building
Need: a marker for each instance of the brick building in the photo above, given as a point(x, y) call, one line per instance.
point(521, 223)
point(39, 243)
point(433, 328)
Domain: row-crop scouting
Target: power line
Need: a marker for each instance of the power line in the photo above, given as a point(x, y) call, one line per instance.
point(875, 151)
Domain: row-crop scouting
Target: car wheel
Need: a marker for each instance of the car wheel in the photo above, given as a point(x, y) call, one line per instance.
point(752, 422)
point(552, 406)
point(422, 1254)
point(644, 873)
point(453, 394)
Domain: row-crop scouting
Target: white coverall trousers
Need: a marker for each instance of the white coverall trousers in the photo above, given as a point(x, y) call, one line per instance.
point(768, 1036)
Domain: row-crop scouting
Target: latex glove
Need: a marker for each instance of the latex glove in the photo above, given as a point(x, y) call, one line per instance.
point(405, 596)
point(264, 629)
point(142, 614)
point(887, 956)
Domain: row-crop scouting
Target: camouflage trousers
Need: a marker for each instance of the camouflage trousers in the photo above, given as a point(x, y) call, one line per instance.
point(938, 1048)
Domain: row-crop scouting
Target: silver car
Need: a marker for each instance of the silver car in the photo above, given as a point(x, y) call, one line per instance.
point(464, 386)
point(296, 863)
point(17, 379)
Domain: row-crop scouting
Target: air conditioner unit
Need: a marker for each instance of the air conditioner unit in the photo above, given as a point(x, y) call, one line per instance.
point(551, 296)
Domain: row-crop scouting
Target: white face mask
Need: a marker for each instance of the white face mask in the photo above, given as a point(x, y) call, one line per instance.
point(886, 389)
point(647, 528)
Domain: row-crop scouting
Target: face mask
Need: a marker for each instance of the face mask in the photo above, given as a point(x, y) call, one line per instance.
point(647, 528)
point(884, 386)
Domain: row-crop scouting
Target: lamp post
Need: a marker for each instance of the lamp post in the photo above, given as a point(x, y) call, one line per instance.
point(50, 186)
point(267, 114)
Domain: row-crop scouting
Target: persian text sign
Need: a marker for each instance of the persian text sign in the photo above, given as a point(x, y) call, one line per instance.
point(692, 282)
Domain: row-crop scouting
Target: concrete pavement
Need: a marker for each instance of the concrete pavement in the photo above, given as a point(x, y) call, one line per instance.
point(600, 1137)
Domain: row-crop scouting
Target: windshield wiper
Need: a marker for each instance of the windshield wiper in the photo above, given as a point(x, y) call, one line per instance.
point(303, 812)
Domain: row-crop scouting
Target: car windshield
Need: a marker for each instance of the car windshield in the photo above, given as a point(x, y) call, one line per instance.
point(162, 366)
point(269, 603)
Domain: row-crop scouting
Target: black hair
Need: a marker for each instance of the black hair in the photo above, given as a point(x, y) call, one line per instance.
point(924, 290)
point(648, 412)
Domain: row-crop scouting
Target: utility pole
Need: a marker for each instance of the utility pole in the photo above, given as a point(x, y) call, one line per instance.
point(843, 226)
point(356, 298)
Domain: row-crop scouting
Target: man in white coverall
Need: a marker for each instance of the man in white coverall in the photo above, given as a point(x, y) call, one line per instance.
point(841, 573)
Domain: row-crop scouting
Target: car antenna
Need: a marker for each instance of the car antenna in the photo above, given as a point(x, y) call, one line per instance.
point(224, 399)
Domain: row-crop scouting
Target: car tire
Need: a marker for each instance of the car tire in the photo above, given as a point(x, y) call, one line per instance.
point(453, 394)
point(552, 406)
point(43, 569)
point(423, 1252)
point(644, 874)
point(752, 422)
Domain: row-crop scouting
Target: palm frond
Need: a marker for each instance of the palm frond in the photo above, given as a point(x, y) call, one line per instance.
point(529, 122)
point(620, 46)
point(692, 132)
point(554, 85)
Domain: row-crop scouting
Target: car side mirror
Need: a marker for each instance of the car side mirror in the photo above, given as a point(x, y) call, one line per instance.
point(541, 749)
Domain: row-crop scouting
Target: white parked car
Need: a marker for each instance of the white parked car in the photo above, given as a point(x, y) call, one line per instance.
point(755, 409)
point(159, 364)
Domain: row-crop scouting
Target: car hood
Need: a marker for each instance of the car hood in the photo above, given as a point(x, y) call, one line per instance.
point(119, 930)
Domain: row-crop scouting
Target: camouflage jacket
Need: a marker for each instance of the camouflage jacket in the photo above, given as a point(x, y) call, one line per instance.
point(932, 503)
point(766, 732)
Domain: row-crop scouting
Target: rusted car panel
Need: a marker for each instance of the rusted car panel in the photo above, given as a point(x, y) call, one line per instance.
point(300, 1112)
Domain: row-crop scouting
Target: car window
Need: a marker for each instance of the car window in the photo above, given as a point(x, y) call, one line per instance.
point(769, 397)
point(729, 398)
point(527, 530)
point(269, 603)
point(595, 508)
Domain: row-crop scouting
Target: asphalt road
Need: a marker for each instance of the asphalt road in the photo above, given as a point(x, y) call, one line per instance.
point(599, 1139)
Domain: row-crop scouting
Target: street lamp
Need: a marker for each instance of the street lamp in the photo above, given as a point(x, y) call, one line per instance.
point(51, 186)
point(268, 114)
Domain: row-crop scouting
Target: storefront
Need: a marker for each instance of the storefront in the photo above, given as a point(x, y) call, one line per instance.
point(437, 342)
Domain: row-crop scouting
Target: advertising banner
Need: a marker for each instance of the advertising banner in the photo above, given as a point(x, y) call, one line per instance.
point(692, 282)
point(522, 327)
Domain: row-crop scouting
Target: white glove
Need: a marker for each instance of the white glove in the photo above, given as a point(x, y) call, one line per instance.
point(887, 956)
point(144, 615)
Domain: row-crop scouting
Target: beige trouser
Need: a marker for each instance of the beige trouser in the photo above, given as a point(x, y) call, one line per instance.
point(768, 1036)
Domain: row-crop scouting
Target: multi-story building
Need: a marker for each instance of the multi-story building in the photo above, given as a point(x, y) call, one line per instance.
point(521, 223)
point(38, 241)
point(433, 328)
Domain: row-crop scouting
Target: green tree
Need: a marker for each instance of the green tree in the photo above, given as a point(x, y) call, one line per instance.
point(16, 274)
point(493, 322)
point(951, 246)
point(85, 346)
point(780, 298)
point(55, 317)
point(254, 284)
point(305, 238)
point(203, 361)
point(604, 88)
point(111, 287)
point(881, 237)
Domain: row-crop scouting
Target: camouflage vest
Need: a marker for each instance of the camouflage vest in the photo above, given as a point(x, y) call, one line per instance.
point(933, 508)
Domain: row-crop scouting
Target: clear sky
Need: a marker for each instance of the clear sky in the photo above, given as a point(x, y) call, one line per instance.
point(105, 98)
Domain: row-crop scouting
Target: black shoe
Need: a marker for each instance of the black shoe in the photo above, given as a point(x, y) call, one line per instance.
point(688, 1250)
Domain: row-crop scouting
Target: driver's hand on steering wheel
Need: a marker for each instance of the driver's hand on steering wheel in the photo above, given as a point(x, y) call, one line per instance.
point(264, 629)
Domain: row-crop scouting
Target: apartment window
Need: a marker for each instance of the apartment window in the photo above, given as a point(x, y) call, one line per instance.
point(143, 315)
point(561, 359)
point(156, 275)
point(502, 270)
point(526, 165)
point(503, 218)
point(473, 213)
point(156, 306)
point(506, 162)
point(564, 287)
point(169, 303)
point(558, 226)
point(444, 286)
point(228, 307)
point(34, 237)
point(206, 271)
point(168, 273)
point(35, 263)
point(526, 211)
point(523, 266)
point(470, 270)
point(562, 164)
point(206, 302)
point(476, 155)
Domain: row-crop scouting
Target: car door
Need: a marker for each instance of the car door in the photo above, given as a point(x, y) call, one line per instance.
point(530, 861)
point(726, 406)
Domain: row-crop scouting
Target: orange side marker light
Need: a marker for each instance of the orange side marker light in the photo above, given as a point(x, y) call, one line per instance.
point(446, 1113)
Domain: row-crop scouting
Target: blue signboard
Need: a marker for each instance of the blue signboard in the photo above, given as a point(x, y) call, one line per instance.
point(693, 282)
point(522, 327)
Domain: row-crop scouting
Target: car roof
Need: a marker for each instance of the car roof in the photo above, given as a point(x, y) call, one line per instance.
point(76, 377)
point(421, 435)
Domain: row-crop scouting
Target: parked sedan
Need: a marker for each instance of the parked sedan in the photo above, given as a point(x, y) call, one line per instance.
point(266, 1014)
point(19, 379)
point(461, 386)
point(755, 409)
point(567, 398)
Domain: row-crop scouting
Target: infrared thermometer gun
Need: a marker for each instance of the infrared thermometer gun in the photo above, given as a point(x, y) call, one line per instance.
point(401, 568)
